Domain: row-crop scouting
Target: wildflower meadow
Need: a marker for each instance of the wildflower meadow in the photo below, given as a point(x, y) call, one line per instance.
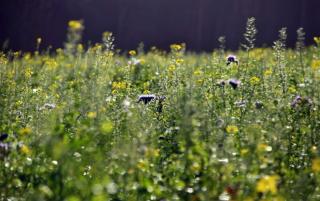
point(91, 122)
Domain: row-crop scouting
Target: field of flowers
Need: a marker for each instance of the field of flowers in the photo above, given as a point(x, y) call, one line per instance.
point(91, 123)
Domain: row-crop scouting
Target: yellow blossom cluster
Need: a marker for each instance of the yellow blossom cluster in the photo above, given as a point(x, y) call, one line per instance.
point(267, 184)
point(75, 25)
point(232, 129)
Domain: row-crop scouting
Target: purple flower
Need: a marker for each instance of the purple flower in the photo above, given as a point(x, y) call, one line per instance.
point(234, 83)
point(259, 104)
point(3, 136)
point(301, 101)
point(146, 98)
point(232, 59)
point(296, 101)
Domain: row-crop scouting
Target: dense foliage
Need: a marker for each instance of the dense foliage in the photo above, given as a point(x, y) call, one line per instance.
point(245, 127)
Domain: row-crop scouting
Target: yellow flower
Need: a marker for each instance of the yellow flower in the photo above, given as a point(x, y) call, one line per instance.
point(315, 65)
point(79, 48)
point(179, 61)
point(264, 148)
point(106, 127)
point(75, 25)
point(51, 64)
point(232, 129)
point(25, 149)
point(176, 47)
point(119, 85)
point(254, 80)
point(268, 72)
point(25, 131)
point(317, 40)
point(292, 90)
point(172, 68)
point(200, 81)
point(142, 61)
point(142, 164)
point(92, 115)
point(244, 152)
point(267, 184)
point(132, 52)
point(197, 72)
point(28, 73)
point(316, 165)
point(195, 167)
point(150, 152)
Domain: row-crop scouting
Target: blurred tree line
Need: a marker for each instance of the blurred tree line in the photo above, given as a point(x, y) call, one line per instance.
point(155, 22)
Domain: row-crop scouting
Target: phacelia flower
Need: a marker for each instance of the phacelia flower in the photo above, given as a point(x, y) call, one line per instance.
point(146, 98)
point(232, 59)
point(3, 136)
point(301, 101)
point(234, 83)
point(259, 104)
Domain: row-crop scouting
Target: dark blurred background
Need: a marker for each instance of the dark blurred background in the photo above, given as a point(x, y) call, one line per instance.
point(155, 22)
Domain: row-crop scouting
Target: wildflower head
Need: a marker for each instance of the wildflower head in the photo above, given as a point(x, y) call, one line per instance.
point(267, 184)
point(176, 47)
point(268, 72)
point(258, 104)
point(301, 101)
point(25, 149)
point(316, 165)
point(3, 137)
point(92, 115)
point(232, 129)
point(254, 80)
point(75, 25)
point(25, 131)
point(132, 53)
point(317, 40)
point(146, 98)
point(232, 59)
point(315, 65)
point(234, 83)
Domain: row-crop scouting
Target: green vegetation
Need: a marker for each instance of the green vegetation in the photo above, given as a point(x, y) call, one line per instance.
point(245, 127)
